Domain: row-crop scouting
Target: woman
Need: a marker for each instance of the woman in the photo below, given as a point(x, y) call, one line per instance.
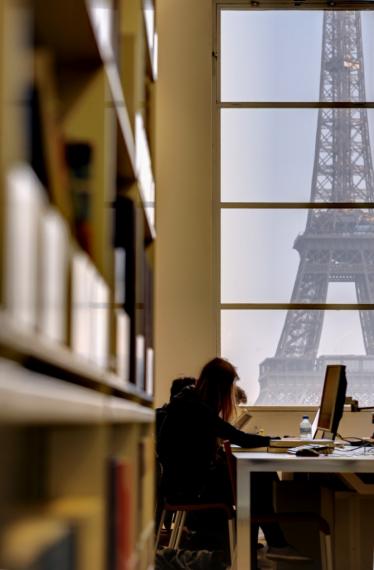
point(197, 419)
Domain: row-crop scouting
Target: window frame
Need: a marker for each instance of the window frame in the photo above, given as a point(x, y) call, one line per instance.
point(219, 6)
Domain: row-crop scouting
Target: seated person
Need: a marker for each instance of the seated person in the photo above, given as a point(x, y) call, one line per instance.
point(177, 385)
point(187, 447)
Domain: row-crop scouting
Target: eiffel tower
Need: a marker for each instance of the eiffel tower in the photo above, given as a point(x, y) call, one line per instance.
point(337, 245)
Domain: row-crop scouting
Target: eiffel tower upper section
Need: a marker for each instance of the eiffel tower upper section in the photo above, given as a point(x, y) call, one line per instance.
point(343, 170)
point(338, 243)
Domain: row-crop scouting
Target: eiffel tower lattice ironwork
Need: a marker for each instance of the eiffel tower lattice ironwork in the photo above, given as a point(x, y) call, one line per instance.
point(337, 245)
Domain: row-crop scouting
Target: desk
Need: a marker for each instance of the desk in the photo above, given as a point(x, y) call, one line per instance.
point(248, 462)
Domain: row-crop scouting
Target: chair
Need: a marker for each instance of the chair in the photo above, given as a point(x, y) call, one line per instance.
point(286, 517)
point(180, 511)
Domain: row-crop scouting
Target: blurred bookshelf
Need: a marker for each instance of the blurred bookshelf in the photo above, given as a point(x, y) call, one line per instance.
point(77, 235)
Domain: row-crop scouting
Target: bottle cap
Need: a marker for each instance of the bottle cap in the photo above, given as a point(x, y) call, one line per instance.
point(305, 417)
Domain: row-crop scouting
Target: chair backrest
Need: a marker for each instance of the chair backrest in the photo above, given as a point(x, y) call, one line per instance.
point(231, 467)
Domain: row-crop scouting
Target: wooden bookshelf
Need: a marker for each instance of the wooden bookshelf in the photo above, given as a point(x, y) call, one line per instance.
point(76, 286)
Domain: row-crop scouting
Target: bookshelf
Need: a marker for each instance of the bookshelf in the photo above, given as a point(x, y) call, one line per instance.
point(77, 235)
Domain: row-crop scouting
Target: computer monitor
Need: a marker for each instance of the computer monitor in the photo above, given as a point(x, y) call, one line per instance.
point(332, 401)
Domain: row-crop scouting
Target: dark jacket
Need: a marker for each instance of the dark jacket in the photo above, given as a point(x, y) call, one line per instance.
point(187, 443)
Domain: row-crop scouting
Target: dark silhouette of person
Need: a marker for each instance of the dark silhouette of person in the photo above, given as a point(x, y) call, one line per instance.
point(196, 420)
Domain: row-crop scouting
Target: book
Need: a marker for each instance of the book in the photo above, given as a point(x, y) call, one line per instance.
point(80, 292)
point(149, 371)
point(24, 204)
point(78, 155)
point(271, 449)
point(52, 292)
point(47, 144)
point(123, 345)
point(120, 276)
point(125, 237)
point(148, 298)
point(282, 445)
point(286, 442)
point(237, 449)
point(120, 526)
point(140, 361)
point(146, 469)
point(99, 319)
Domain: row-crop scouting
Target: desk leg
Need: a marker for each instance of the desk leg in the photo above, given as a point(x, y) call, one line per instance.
point(243, 547)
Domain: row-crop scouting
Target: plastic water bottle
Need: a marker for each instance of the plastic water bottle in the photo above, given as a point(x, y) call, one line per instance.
point(305, 428)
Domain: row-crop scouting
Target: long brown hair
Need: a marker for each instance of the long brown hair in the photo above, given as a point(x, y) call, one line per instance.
point(215, 386)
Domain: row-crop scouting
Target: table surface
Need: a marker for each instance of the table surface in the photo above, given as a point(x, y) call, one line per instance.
point(333, 463)
point(252, 461)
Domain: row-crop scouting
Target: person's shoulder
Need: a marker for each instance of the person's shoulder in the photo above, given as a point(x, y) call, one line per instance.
point(161, 412)
point(187, 394)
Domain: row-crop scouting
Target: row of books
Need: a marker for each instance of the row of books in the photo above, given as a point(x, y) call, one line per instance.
point(66, 168)
point(58, 534)
point(51, 283)
point(52, 286)
point(63, 167)
point(36, 256)
point(134, 288)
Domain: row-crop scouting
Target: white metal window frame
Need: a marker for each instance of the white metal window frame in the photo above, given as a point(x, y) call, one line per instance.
point(220, 6)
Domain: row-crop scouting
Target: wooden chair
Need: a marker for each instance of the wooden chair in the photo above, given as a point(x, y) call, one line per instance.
point(287, 517)
point(180, 511)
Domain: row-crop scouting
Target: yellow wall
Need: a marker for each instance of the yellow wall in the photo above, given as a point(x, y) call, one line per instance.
point(285, 421)
point(185, 319)
point(185, 330)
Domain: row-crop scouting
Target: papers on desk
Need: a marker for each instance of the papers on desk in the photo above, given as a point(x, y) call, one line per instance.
point(320, 449)
point(237, 449)
point(286, 443)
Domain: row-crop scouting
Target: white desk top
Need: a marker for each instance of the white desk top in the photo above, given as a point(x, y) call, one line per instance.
point(262, 461)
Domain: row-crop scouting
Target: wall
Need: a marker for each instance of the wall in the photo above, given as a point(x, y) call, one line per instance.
point(185, 320)
point(285, 421)
point(185, 331)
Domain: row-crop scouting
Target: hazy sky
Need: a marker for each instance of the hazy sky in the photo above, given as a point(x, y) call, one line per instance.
point(268, 155)
point(276, 55)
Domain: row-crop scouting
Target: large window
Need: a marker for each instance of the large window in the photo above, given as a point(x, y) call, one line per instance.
point(295, 179)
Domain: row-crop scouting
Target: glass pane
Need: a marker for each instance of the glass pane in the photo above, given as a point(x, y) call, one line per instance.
point(297, 155)
point(280, 56)
point(299, 256)
point(277, 362)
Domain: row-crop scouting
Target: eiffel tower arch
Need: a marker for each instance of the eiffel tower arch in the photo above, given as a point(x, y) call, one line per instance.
point(337, 244)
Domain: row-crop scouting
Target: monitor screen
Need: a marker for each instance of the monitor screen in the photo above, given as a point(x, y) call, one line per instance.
point(333, 397)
